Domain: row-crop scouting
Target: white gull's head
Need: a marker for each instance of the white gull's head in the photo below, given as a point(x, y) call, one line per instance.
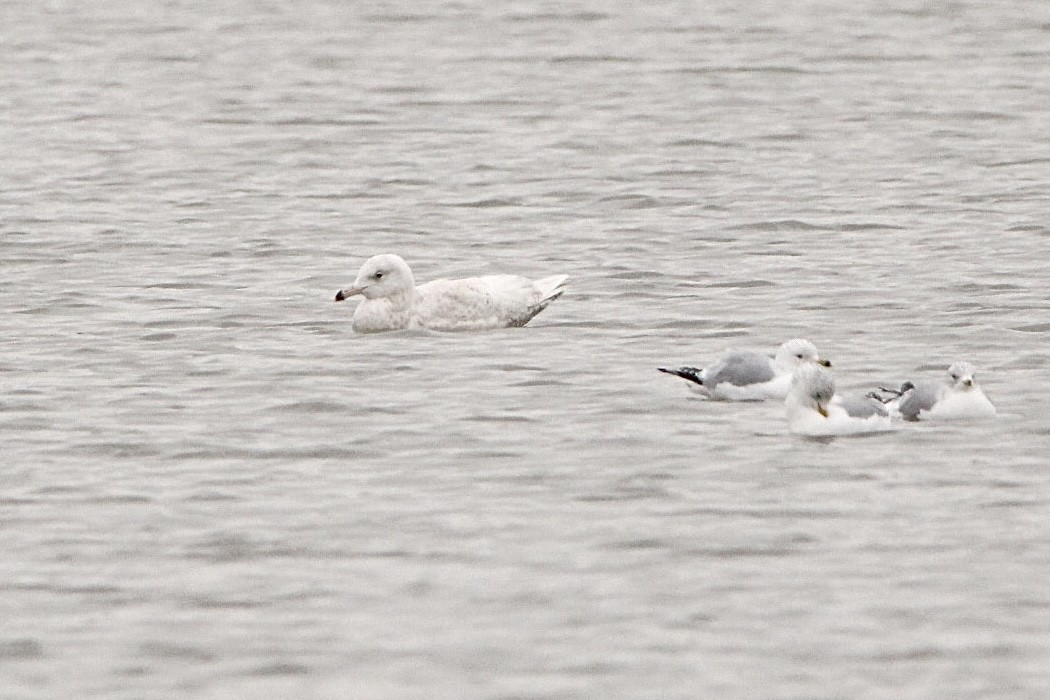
point(380, 276)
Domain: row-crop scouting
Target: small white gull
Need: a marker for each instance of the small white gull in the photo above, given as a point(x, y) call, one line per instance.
point(814, 409)
point(750, 376)
point(957, 396)
point(392, 301)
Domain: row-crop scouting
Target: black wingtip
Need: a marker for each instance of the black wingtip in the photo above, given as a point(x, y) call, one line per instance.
point(691, 374)
point(884, 394)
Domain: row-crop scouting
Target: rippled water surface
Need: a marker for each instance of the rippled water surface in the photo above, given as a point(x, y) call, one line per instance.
point(212, 488)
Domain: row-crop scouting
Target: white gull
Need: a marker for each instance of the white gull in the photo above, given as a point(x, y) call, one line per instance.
point(392, 301)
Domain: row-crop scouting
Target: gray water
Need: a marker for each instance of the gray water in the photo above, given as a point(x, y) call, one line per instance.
point(212, 488)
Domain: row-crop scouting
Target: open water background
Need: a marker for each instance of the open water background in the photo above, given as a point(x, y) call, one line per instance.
point(211, 488)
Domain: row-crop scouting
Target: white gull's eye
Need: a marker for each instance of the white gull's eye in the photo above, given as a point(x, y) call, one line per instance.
point(378, 275)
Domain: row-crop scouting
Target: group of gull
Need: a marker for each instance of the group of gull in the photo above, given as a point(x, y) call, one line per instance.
point(800, 378)
point(796, 374)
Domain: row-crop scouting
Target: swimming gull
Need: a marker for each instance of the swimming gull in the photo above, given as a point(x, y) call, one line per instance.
point(813, 408)
point(957, 396)
point(750, 376)
point(392, 301)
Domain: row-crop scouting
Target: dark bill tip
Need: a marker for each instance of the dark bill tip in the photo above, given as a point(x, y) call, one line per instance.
point(339, 296)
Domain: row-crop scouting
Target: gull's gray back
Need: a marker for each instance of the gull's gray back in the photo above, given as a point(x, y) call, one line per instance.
point(740, 369)
point(862, 406)
point(921, 397)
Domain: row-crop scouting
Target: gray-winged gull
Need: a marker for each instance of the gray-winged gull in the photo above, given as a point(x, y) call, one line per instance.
point(956, 396)
point(750, 376)
point(813, 407)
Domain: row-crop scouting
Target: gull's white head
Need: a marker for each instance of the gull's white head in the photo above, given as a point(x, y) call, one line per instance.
point(380, 276)
point(797, 352)
point(962, 376)
point(812, 386)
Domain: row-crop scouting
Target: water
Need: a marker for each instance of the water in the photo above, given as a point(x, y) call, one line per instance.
point(212, 488)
